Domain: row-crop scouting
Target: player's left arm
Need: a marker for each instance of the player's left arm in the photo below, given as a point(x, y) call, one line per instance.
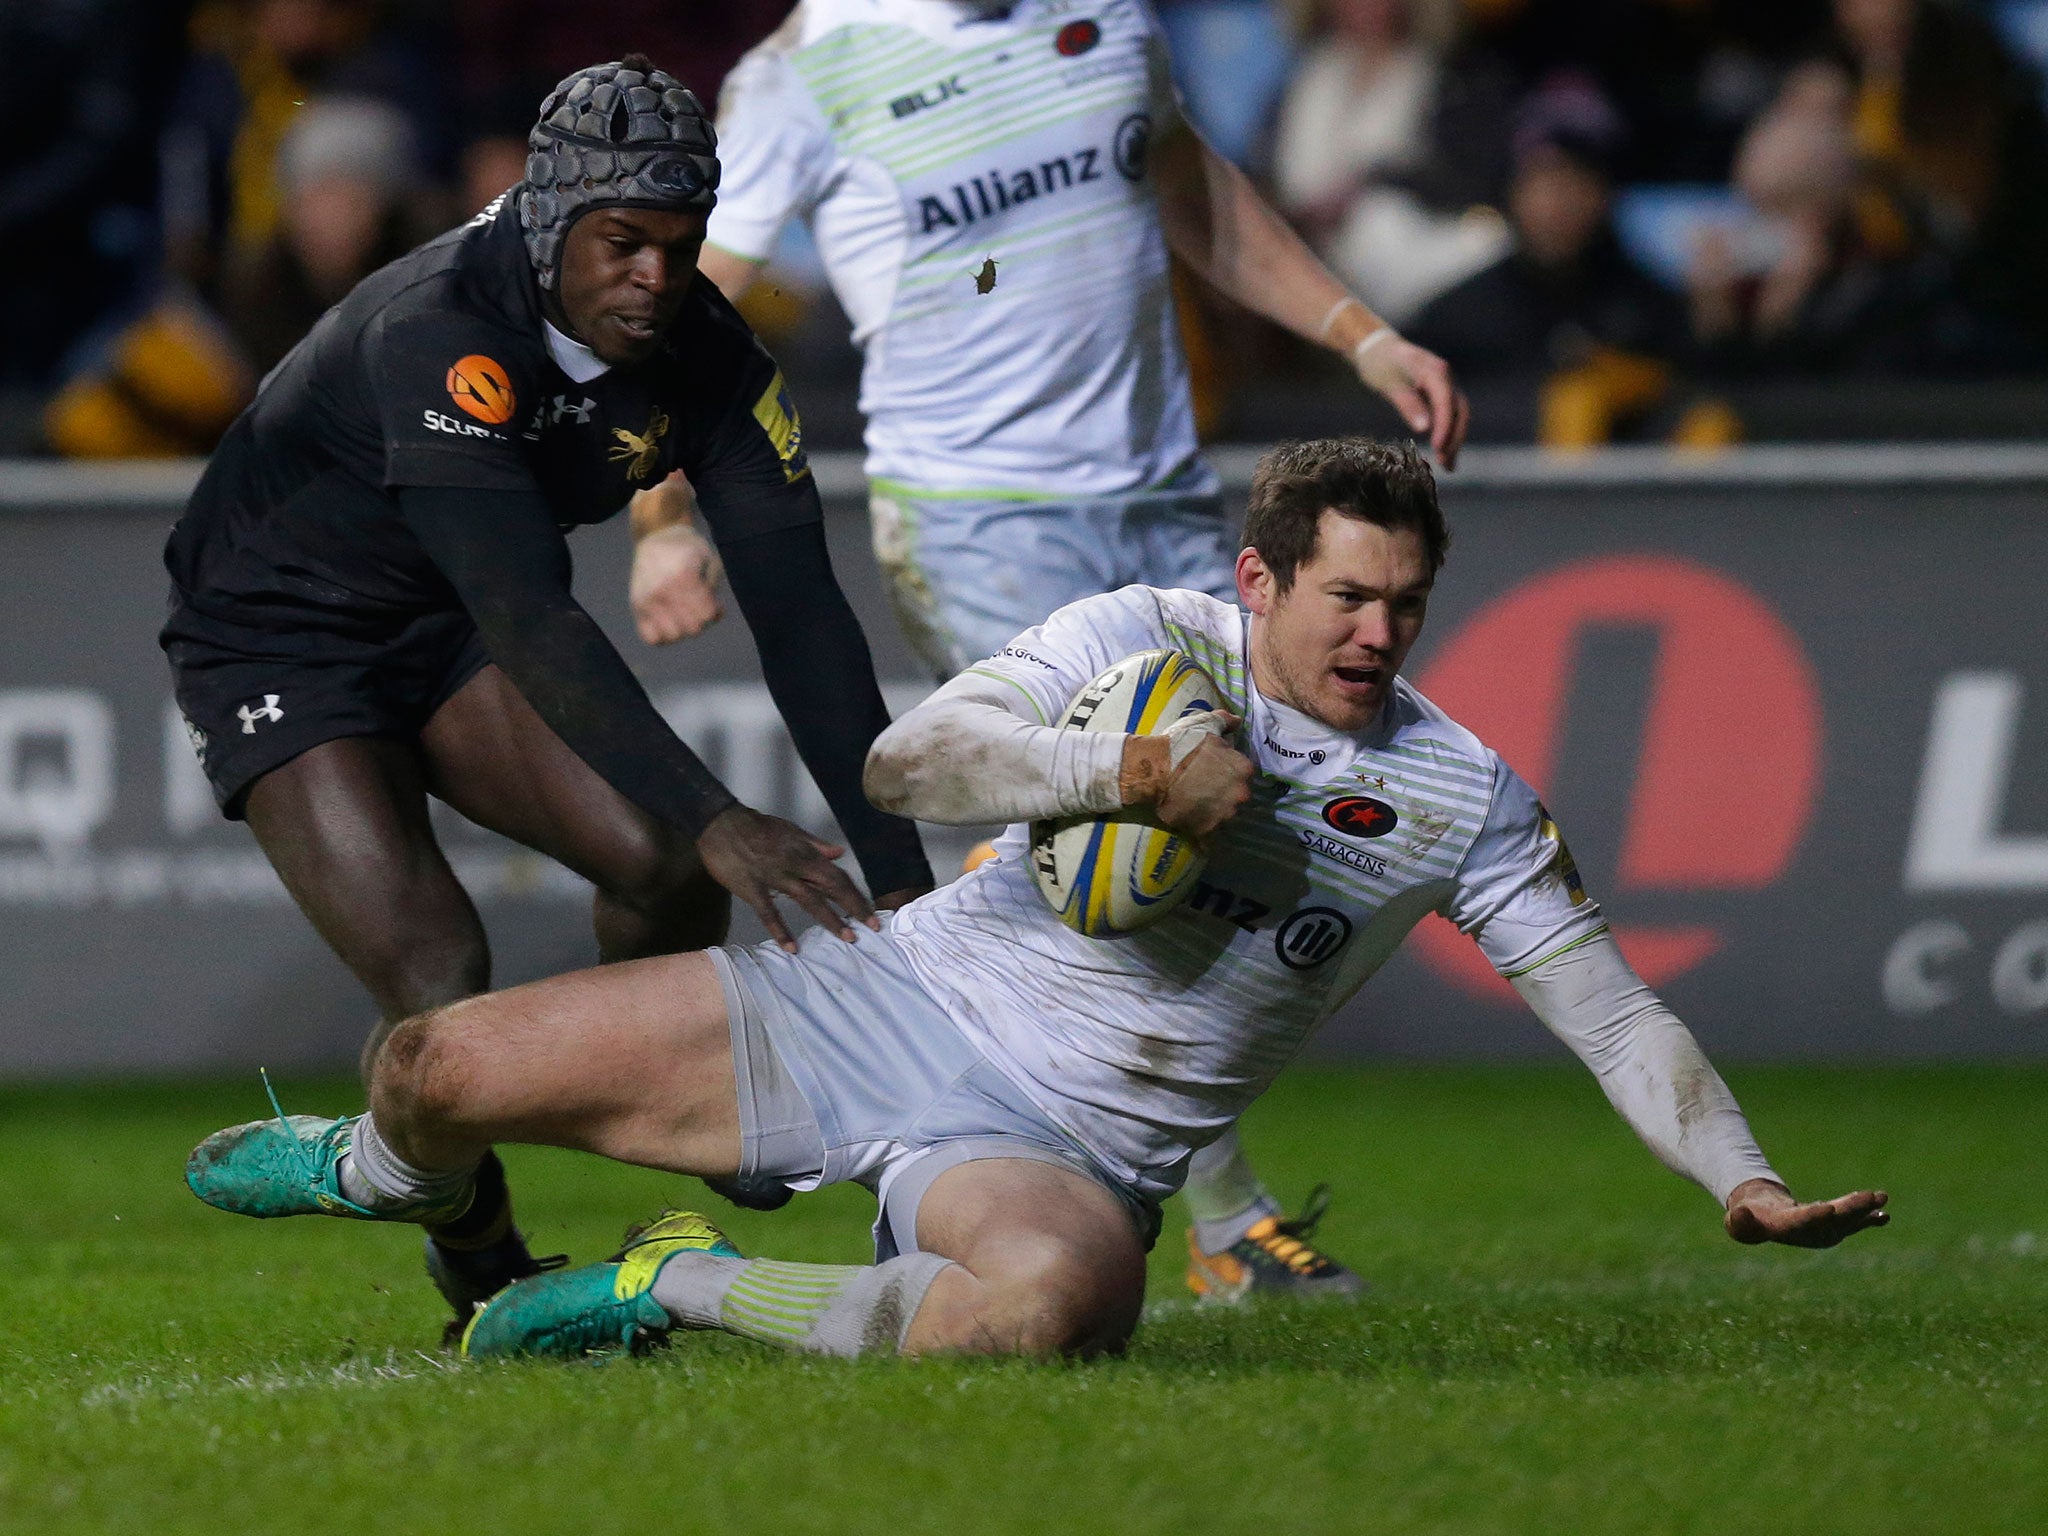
point(1520, 895)
point(1216, 221)
point(747, 465)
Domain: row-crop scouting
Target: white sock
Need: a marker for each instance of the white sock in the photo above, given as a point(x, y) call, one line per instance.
point(819, 1309)
point(378, 1179)
point(1224, 1194)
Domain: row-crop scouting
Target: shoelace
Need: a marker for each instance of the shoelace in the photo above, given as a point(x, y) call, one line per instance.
point(1288, 1242)
point(308, 1169)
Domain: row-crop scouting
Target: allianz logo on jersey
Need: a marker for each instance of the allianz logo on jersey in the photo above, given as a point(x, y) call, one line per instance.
point(996, 191)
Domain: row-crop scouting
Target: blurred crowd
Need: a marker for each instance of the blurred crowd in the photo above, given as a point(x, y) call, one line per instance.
point(1627, 211)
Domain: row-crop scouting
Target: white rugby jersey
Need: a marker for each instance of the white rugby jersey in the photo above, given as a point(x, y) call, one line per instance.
point(1148, 1046)
point(922, 139)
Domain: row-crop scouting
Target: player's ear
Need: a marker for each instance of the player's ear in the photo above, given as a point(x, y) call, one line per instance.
point(1255, 584)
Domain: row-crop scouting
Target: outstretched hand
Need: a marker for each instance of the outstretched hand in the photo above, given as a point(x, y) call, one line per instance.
point(1763, 1211)
point(759, 857)
point(1418, 384)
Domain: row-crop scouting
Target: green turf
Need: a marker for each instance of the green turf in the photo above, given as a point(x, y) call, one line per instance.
point(1559, 1340)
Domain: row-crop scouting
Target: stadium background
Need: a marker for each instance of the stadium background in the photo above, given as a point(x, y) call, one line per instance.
point(1786, 700)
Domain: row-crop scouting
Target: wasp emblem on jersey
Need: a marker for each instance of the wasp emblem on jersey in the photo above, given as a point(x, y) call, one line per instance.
point(480, 386)
point(640, 451)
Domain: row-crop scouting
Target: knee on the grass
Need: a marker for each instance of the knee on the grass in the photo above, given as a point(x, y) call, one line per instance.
point(1048, 1296)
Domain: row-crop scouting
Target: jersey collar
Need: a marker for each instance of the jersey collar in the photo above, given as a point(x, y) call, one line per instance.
point(572, 357)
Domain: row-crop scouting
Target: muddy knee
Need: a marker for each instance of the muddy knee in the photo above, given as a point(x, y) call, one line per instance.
point(418, 1073)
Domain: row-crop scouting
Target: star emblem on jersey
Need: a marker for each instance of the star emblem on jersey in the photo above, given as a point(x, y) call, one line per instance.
point(640, 452)
point(1360, 816)
point(249, 714)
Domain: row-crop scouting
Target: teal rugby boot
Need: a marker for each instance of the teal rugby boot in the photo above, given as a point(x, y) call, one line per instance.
point(291, 1166)
point(598, 1306)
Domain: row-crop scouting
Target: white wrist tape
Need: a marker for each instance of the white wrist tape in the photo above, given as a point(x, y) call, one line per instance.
point(1330, 316)
point(1190, 731)
point(1368, 343)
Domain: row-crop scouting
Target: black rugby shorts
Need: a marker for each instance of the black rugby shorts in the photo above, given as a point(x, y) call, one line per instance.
point(256, 697)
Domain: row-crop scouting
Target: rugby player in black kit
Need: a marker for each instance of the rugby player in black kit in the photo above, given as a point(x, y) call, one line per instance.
point(372, 589)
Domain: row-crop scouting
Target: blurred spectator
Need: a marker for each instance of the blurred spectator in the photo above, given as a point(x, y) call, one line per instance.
point(1231, 59)
point(493, 154)
point(348, 177)
point(78, 189)
point(1566, 286)
point(1388, 144)
point(272, 210)
point(1685, 75)
point(255, 64)
point(1950, 125)
point(1826, 286)
point(506, 43)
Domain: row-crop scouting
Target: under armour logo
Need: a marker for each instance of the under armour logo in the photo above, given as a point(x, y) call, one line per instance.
point(580, 411)
point(250, 714)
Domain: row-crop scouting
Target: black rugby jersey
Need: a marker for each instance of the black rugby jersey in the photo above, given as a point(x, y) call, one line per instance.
point(435, 371)
point(426, 408)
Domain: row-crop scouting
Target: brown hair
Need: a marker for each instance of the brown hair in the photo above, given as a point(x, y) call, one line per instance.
point(1294, 484)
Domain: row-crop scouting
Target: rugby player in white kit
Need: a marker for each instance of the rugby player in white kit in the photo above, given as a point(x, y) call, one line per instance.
point(1029, 443)
point(1019, 1097)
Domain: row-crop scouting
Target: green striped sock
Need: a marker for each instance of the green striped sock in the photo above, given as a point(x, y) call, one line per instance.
point(823, 1309)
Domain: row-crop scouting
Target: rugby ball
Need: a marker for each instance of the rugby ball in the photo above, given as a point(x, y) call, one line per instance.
point(1107, 876)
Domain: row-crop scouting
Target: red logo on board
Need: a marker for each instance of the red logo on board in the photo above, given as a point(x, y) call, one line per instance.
point(1077, 37)
point(1734, 718)
point(1361, 816)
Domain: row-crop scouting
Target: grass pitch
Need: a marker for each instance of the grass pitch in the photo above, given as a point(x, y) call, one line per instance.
point(1559, 1340)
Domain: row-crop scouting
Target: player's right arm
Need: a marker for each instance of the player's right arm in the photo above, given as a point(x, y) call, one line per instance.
point(983, 749)
point(729, 272)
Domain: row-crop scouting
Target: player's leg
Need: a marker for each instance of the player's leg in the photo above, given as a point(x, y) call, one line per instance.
point(490, 755)
point(967, 576)
point(1240, 1245)
point(1047, 1261)
point(632, 1061)
point(345, 826)
point(1016, 1255)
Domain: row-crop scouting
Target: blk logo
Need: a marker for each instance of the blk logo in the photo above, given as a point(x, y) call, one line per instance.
point(1733, 720)
point(249, 714)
